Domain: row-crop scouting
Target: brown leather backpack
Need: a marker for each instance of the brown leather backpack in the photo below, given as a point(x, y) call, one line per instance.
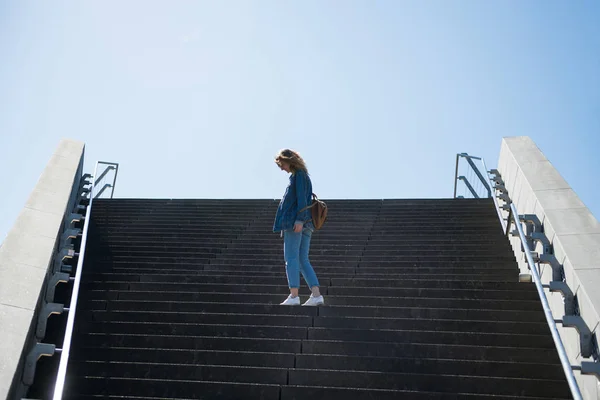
point(318, 211)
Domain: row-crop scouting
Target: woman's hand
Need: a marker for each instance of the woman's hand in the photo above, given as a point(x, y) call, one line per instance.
point(298, 227)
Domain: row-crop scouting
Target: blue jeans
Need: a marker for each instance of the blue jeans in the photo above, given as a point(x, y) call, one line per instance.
point(296, 246)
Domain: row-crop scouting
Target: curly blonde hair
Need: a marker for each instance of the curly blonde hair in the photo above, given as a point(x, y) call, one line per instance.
point(293, 158)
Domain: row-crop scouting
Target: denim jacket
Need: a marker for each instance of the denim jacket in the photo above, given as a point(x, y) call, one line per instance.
point(297, 196)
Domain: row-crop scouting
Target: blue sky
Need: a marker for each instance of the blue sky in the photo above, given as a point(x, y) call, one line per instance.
point(194, 98)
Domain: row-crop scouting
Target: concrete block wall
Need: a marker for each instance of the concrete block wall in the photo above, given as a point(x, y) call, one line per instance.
point(26, 258)
point(536, 187)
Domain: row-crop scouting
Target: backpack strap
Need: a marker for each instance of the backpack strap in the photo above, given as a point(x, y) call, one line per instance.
point(311, 206)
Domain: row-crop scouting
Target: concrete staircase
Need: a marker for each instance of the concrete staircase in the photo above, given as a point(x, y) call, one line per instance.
point(179, 300)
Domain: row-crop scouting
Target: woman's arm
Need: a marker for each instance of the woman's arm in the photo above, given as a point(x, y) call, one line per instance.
point(301, 197)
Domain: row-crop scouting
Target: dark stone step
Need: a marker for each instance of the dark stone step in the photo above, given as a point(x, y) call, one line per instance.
point(316, 260)
point(432, 263)
point(229, 318)
point(168, 388)
point(232, 318)
point(383, 242)
point(346, 276)
point(200, 248)
point(329, 311)
point(162, 301)
point(320, 251)
point(276, 249)
point(153, 222)
point(291, 392)
point(237, 275)
point(185, 356)
point(218, 241)
point(380, 273)
point(463, 294)
point(221, 373)
point(430, 366)
point(470, 351)
point(194, 284)
point(336, 221)
point(394, 252)
point(424, 337)
point(276, 276)
point(147, 340)
point(170, 256)
point(318, 347)
point(317, 333)
point(442, 383)
point(327, 378)
point(397, 236)
point(330, 260)
point(424, 246)
point(264, 271)
point(365, 281)
point(432, 325)
point(266, 214)
point(131, 233)
point(381, 267)
point(373, 258)
point(401, 236)
point(432, 313)
point(108, 252)
point(155, 259)
point(192, 288)
point(172, 329)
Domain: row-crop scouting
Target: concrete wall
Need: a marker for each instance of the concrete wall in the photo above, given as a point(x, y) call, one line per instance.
point(26, 255)
point(536, 187)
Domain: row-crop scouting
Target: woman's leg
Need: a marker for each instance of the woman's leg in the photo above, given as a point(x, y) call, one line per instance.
point(291, 254)
point(305, 267)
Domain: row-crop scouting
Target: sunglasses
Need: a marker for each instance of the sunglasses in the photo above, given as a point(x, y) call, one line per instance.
point(287, 153)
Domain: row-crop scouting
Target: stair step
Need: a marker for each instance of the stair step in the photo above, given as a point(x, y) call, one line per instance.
point(320, 347)
point(330, 311)
point(195, 372)
point(165, 301)
point(147, 340)
point(433, 366)
point(187, 356)
point(233, 318)
point(169, 387)
point(429, 350)
point(291, 392)
point(234, 272)
point(418, 382)
point(318, 333)
point(406, 336)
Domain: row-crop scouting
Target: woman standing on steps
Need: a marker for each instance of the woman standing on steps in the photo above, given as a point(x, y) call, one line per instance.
point(293, 220)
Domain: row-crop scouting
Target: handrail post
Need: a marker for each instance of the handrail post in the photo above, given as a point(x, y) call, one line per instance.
point(456, 174)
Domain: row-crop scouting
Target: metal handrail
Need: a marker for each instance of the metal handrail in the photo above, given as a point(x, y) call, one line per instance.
point(470, 159)
point(489, 185)
point(513, 215)
point(562, 353)
point(111, 166)
point(496, 205)
point(66, 347)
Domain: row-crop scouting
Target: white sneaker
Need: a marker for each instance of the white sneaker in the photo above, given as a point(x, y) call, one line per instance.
point(314, 301)
point(291, 301)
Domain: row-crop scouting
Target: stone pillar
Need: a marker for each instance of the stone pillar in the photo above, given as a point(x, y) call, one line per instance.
point(536, 187)
point(26, 256)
